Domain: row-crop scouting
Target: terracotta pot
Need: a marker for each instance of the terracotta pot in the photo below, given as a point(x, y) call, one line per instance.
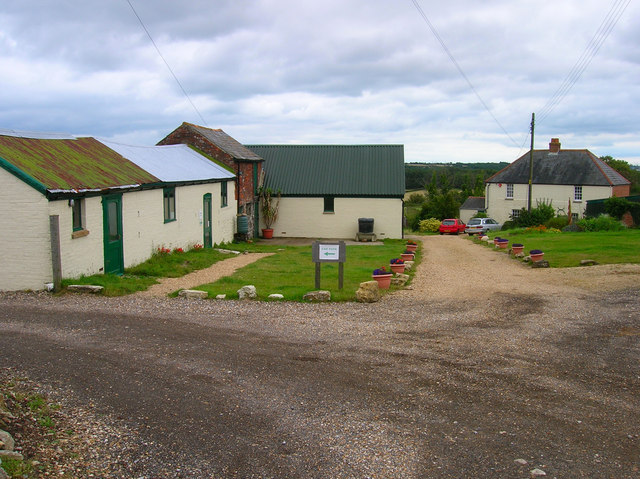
point(397, 268)
point(536, 257)
point(267, 233)
point(503, 244)
point(406, 257)
point(517, 249)
point(384, 280)
point(412, 247)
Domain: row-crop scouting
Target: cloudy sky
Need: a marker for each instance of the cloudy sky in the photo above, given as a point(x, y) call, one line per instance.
point(331, 71)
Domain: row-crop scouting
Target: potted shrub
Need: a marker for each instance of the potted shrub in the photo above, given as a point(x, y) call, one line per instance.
point(269, 204)
point(383, 277)
point(397, 265)
point(411, 246)
point(536, 255)
point(517, 248)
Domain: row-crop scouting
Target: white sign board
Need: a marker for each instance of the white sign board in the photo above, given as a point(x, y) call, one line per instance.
point(329, 252)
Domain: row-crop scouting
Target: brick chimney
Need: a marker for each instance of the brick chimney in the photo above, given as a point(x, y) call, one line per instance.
point(554, 146)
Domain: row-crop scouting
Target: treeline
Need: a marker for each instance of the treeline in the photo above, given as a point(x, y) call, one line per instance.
point(461, 176)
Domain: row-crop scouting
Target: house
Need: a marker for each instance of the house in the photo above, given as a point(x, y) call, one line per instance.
point(565, 178)
point(471, 206)
point(77, 206)
point(326, 189)
point(246, 164)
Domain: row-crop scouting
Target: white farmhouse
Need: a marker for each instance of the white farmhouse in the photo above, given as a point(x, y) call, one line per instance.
point(565, 178)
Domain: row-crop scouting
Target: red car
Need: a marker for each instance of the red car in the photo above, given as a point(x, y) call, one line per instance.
point(453, 226)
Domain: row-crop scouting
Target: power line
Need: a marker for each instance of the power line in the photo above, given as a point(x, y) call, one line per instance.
point(167, 64)
point(455, 63)
point(615, 12)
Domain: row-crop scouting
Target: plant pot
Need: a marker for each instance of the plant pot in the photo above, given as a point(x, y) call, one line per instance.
point(397, 268)
point(517, 249)
point(503, 244)
point(406, 257)
point(384, 280)
point(536, 257)
point(267, 233)
point(412, 247)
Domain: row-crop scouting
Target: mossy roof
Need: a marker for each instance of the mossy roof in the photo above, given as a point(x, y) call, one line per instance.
point(69, 164)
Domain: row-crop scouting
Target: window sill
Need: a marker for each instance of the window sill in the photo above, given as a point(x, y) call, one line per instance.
point(509, 198)
point(169, 221)
point(79, 234)
point(328, 212)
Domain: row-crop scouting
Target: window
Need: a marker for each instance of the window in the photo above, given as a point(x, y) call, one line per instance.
point(577, 193)
point(515, 214)
point(77, 212)
point(510, 190)
point(574, 217)
point(223, 194)
point(328, 204)
point(169, 203)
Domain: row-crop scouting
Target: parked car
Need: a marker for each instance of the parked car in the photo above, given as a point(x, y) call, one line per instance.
point(452, 225)
point(481, 226)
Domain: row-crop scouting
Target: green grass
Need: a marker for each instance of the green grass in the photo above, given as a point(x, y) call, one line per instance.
point(564, 250)
point(290, 271)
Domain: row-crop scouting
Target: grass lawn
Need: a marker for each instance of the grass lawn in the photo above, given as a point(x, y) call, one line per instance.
point(290, 271)
point(564, 250)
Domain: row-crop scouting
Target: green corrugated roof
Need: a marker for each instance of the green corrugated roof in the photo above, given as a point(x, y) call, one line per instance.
point(334, 170)
point(69, 164)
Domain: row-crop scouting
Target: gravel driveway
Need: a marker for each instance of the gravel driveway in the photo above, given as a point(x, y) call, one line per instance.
point(483, 362)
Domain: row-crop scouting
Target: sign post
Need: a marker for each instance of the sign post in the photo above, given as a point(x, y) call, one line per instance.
point(329, 252)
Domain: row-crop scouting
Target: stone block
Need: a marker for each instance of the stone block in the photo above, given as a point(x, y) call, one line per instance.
point(276, 296)
point(85, 288)
point(193, 294)
point(368, 292)
point(318, 296)
point(247, 292)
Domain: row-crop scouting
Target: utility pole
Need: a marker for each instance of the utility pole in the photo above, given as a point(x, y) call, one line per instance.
point(533, 126)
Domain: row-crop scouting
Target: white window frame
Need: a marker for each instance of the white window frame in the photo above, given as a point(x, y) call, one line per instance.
point(515, 214)
point(577, 193)
point(509, 192)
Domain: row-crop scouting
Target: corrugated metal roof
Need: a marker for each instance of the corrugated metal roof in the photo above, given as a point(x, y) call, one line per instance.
point(225, 143)
point(567, 167)
point(334, 170)
point(69, 164)
point(172, 163)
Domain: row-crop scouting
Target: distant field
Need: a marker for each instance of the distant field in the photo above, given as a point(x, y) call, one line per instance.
point(410, 192)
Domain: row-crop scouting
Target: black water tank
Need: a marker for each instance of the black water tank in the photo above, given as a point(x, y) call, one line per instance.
point(365, 225)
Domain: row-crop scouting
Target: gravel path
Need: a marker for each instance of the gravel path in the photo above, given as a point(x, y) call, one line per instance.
point(208, 275)
point(482, 362)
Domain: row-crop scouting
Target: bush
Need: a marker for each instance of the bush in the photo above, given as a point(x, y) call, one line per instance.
point(572, 228)
point(431, 225)
point(537, 216)
point(508, 225)
point(480, 214)
point(601, 223)
point(558, 222)
point(416, 199)
point(617, 207)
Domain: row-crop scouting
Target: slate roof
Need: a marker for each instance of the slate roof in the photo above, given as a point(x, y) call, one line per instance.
point(567, 167)
point(226, 143)
point(68, 164)
point(473, 203)
point(172, 163)
point(334, 170)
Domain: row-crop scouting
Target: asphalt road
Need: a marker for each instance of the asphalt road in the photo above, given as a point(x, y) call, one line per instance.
point(439, 389)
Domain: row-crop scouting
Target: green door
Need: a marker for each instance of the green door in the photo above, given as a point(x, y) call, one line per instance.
point(206, 220)
point(112, 234)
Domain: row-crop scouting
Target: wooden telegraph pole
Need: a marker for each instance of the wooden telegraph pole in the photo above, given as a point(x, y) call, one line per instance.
point(533, 125)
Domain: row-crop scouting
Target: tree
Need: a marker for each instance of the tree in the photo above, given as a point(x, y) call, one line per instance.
point(625, 170)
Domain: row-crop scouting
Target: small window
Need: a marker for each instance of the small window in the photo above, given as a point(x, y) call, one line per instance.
point(169, 204)
point(515, 214)
point(77, 213)
point(223, 194)
point(329, 204)
point(510, 190)
point(577, 193)
point(574, 217)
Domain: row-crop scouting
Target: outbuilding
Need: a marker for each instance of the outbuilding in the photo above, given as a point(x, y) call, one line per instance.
point(76, 206)
point(326, 189)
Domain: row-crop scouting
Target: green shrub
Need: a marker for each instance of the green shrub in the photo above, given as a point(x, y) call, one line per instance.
point(601, 223)
point(537, 216)
point(480, 214)
point(557, 222)
point(416, 199)
point(430, 225)
point(508, 225)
